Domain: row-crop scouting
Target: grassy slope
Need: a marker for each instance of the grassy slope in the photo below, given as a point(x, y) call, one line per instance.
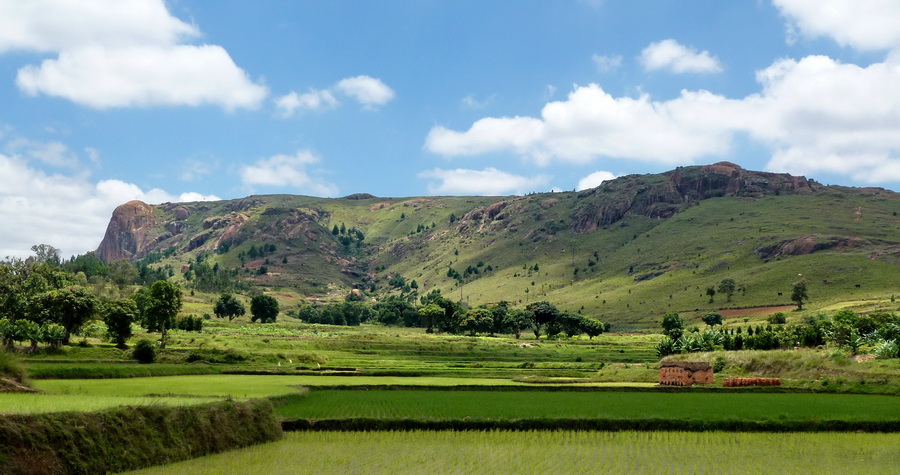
point(691, 251)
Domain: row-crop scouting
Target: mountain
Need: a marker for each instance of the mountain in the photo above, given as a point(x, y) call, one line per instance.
point(625, 252)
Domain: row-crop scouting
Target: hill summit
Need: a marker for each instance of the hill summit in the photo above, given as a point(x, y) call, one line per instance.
point(625, 251)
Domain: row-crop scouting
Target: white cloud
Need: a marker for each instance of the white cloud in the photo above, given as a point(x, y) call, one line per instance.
point(591, 123)
point(103, 77)
point(40, 206)
point(470, 102)
point(288, 171)
point(57, 25)
point(677, 58)
point(594, 180)
point(121, 53)
point(606, 64)
point(814, 114)
point(860, 24)
point(368, 91)
point(313, 100)
point(489, 181)
point(51, 153)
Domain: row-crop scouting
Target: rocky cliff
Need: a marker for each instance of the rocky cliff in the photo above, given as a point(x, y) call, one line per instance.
point(128, 235)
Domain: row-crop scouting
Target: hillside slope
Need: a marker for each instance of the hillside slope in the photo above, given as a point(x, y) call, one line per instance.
point(625, 252)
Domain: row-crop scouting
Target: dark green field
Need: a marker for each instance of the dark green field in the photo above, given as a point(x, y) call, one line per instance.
point(506, 405)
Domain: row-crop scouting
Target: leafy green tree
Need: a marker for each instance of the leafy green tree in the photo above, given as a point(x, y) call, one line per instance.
point(571, 324)
point(799, 294)
point(517, 320)
point(54, 335)
point(229, 306)
point(712, 319)
point(163, 305)
point(727, 287)
point(31, 331)
point(264, 308)
point(118, 315)
point(544, 314)
point(499, 312)
point(477, 320)
point(430, 314)
point(70, 307)
point(673, 325)
point(592, 327)
point(711, 291)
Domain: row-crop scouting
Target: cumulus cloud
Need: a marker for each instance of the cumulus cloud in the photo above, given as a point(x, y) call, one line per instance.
point(288, 171)
point(606, 64)
point(367, 91)
point(860, 24)
point(591, 123)
point(126, 53)
point(814, 114)
point(489, 181)
point(674, 57)
point(51, 153)
point(103, 77)
point(594, 180)
point(41, 207)
point(315, 99)
point(56, 25)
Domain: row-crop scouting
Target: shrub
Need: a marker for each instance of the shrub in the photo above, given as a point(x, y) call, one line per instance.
point(719, 364)
point(11, 367)
point(144, 351)
point(887, 349)
point(777, 318)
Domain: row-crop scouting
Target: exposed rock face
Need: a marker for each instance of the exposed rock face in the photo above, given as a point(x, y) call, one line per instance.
point(128, 235)
point(663, 195)
point(807, 245)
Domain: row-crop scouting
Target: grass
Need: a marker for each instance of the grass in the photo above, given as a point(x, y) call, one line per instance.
point(509, 405)
point(554, 452)
point(21, 403)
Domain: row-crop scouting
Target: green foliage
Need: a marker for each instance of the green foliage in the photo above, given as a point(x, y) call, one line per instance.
point(162, 306)
point(727, 286)
point(887, 349)
point(118, 315)
point(189, 323)
point(777, 318)
point(144, 351)
point(799, 294)
point(70, 307)
point(477, 320)
point(82, 442)
point(712, 318)
point(264, 308)
point(11, 367)
point(229, 306)
point(672, 325)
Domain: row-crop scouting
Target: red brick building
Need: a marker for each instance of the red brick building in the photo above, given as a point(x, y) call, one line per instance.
point(685, 373)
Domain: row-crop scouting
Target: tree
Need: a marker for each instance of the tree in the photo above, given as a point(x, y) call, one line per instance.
point(711, 291)
point(229, 306)
point(712, 319)
point(673, 325)
point(264, 308)
point(592, 327)
point(431, 314)
point(799, 294)
point(727, 287)
point(516, 321)
point(118, 316)
point(46, 253)
point(544, 314)
point(163, 305)
point(70, 307)
point(477, 320)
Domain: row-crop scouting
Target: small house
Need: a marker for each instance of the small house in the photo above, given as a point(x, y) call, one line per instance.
point(685, 373)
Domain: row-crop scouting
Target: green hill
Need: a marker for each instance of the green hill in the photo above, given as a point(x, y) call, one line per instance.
point(624, 252)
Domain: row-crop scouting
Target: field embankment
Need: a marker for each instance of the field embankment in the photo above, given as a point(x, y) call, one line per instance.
point(128, 438)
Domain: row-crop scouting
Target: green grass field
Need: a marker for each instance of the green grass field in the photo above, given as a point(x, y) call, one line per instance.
point(554, 452)
point(23, 403)
point(506, 405)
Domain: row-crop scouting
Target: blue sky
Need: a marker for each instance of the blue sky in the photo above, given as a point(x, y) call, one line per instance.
point(104, 101)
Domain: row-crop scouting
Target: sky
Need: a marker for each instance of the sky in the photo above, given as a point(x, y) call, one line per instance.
point(106, 101)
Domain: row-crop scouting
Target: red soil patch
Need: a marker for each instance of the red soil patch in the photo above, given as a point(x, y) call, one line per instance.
point(755, 311)
point(287, 296)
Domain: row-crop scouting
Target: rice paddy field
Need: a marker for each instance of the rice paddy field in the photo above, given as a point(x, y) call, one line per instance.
point(25, 403)
point(511, 405)
point(555, 452)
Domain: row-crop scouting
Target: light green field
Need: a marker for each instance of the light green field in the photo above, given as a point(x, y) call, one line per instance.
point(555, 452)
point(501, 405)
point(242, 386)
point(19, 403)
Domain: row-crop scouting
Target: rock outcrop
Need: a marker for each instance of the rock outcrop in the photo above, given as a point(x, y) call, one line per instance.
point(129, 233)
point(663, 195)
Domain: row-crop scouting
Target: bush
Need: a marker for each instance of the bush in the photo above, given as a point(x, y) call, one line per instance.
point(144, 351)
point(777, 318)
point(11, 367)
point(887, 350)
